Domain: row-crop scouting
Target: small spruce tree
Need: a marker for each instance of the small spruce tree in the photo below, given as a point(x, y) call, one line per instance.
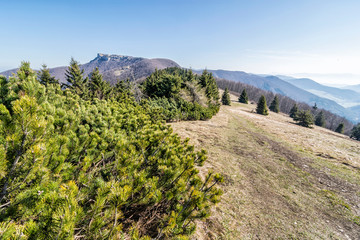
point(98, 87)
point(304, 118)
point(244, 97)
point(75, 80)
point(320, 120)
point(261, 106)
point(355, 132)
point(340, 128)
point(315, 107)
point(274, 106)
point(45, 77)
point(294, 111)
point(225, 99)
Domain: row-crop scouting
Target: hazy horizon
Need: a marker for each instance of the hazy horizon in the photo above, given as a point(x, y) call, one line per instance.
point(329, 79)
point(319, 39)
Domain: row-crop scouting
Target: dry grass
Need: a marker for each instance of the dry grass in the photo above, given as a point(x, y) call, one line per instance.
point(282, 181)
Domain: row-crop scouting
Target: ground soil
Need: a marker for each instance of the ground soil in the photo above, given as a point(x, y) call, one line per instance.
point(282, 181)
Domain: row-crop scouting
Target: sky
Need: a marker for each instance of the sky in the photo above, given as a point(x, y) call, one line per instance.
point(312, 38)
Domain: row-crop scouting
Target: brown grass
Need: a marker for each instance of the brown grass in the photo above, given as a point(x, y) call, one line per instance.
point(282, 181)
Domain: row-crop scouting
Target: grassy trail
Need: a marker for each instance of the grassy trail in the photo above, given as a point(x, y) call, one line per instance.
point(282, 181)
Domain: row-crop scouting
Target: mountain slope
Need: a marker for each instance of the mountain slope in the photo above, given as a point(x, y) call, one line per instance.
point(282, 181)
point(277, 85)
point(115, 67)
point(353, 87)
point(345, 97)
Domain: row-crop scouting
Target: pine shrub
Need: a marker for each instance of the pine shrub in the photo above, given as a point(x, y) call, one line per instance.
point(101, 169)
point(164, 89)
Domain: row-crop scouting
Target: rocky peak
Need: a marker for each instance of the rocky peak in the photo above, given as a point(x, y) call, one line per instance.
point(113, 57)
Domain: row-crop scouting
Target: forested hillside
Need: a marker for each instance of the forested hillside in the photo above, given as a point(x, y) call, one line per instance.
point(276, 85)
point(178, 94)
point(85, 160)
point(332, 121)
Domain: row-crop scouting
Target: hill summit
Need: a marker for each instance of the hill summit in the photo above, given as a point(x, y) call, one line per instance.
point(115, 67)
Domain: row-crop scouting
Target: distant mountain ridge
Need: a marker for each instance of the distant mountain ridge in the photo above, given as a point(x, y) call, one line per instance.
point(115, 67)
point(277, 85)
point(345, 97)
point(355, 88)
point(119, 67)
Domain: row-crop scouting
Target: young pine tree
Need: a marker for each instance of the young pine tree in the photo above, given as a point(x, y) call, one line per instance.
point(75, 80)
point(274, 106)
point(45, 78)
point(340, 128)
point(315, 107)
point(225, 99)
point(98, 87)
point(244, 97)
point(355, 132)
point(304, 118)
point(320, 120)
point(261, 106)
point(294, 111)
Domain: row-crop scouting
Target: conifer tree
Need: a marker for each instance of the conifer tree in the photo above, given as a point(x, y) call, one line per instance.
point(75, 80)
point(304, 118)
point(274, 106)
point(162, 84)
point(355, 132)
point(225, 99)
point(207, 81)
point(166, 90)
point(98, 87)
point(25, 72)
point(244, 97)
point(340, 128)
point(315, 107)
point(294, 111)
point(122, 90)
point(320, 120)
point(45, 77)
point(261, 106)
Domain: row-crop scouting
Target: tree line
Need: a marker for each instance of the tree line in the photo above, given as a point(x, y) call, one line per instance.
point(285, 104)
point(179, 94)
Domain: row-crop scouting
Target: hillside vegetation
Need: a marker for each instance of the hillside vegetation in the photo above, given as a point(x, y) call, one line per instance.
point(277, 85)
point(332, 120)
point(86, 161)
point(282, 181)
point(178, 94)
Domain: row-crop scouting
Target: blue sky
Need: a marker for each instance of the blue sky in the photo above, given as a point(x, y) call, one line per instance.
point(319, 37)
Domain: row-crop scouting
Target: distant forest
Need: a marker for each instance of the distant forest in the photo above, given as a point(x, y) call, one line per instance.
point(332, 120)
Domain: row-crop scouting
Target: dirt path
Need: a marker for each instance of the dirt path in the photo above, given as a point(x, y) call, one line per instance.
point(282, 181)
